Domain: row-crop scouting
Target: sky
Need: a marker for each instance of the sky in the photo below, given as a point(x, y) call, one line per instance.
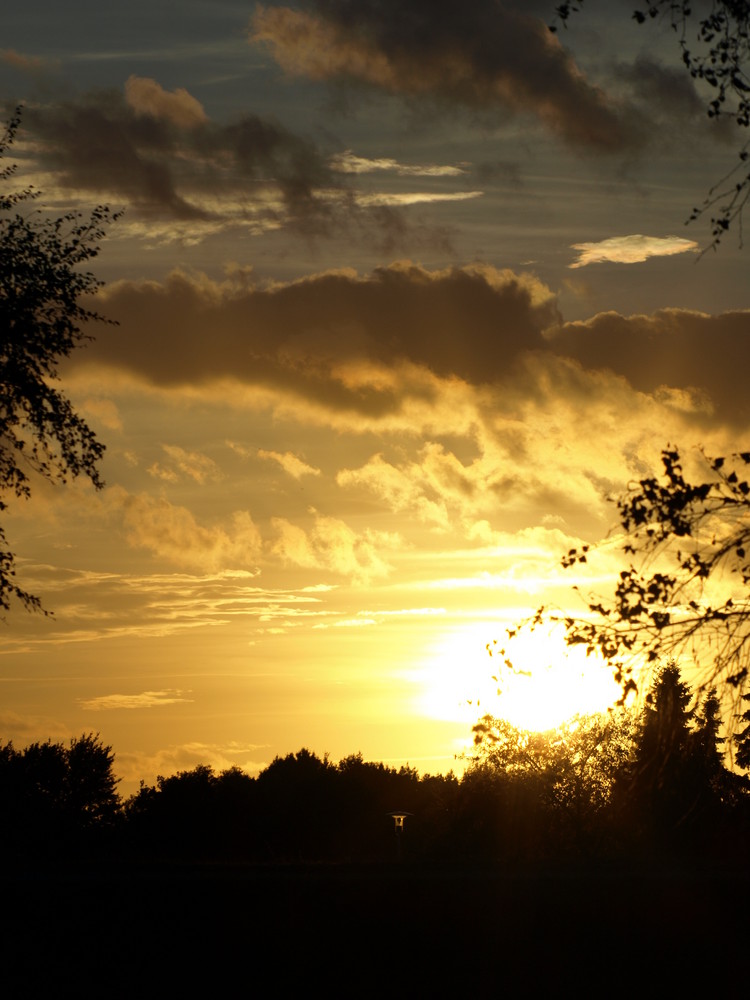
point(405, 298)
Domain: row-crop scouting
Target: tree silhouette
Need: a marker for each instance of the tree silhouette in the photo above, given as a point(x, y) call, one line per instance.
point(742, 738)
point(663, 743)
point(41, 322)
point(55, 798)
point(571, 771)
point(715, 49)
point(679, 790)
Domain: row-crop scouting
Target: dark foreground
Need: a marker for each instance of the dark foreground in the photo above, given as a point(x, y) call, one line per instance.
point(129, 930)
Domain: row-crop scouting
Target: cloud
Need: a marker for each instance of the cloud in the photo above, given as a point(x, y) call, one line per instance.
point(30, 729)
point(200, 468)
point(146, 699)
point(103, 410)
point(484, 56)
point(333, 338)
point(294, 466)
point(667, 89)
point(403, 489)
point(414, 197)
point(401, 346)
point(141, 605)
point(330, 544)
point(692, 362)
point(185, 178)
point(147, 97)
point(159, 152)
point(26, 63)
point(172, 532)
point(348, 163)
point(134, 767)
point(630, 249)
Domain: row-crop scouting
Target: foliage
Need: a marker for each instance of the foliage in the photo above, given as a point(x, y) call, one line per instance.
point(647, 779)
point(715, 49)
point(742, 739)
point(599, 787)
point(573, 768)
point(41, 322)
point(685, 591)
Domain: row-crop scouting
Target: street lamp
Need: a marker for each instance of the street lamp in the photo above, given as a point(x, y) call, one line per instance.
point(398, 822)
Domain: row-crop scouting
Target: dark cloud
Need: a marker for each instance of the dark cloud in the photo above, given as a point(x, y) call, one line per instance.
point(670, 101)
point(469, 322)
point(484, 56)
point(156, 150)
point(325, 338)
point(499, 172)
point(184, 176)
point(101, 145)
point(667, 90)
point(706, 357)
point(32, 65)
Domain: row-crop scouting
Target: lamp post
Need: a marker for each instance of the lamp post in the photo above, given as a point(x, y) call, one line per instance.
point(399, 816)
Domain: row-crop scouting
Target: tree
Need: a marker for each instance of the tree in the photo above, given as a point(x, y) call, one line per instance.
point(715, 49)
point(685, 592)
point(91, 786)
point(571, 771)
point(54, 797)
point(679, 792)
point(742, 738)
point(578, 760)
point(42, 321)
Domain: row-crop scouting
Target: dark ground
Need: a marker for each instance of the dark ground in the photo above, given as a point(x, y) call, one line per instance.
point(230, 930)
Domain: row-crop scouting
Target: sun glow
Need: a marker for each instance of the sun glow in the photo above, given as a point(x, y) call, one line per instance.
point(536, 683)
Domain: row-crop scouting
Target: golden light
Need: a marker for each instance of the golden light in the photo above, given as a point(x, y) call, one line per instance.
point(543, 683)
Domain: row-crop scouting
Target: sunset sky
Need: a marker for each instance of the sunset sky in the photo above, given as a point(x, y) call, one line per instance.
point(405, 298)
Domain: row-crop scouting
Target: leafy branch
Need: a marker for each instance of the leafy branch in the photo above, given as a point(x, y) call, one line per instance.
point(715, 49)
point(689, 544)
point(42, 321)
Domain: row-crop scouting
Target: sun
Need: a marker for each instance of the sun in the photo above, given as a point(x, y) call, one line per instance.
point(536, 684)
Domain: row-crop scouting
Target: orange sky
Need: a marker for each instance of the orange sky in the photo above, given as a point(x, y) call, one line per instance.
point(390, 340)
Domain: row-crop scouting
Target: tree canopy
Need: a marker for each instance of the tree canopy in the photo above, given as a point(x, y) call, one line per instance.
point(714, 41)
point(42, 321)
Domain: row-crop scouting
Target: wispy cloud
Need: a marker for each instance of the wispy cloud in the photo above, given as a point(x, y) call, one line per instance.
point(630, 249)
point(290, 463)
point(348, 163)
point(200, 468)
point(146, 699)
point(26, 63)
point(414, 197)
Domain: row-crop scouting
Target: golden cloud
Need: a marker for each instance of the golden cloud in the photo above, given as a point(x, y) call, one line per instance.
point(630, 249)
point(147, 97)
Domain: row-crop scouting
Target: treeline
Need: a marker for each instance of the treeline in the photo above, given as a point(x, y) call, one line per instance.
point(601, 787)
